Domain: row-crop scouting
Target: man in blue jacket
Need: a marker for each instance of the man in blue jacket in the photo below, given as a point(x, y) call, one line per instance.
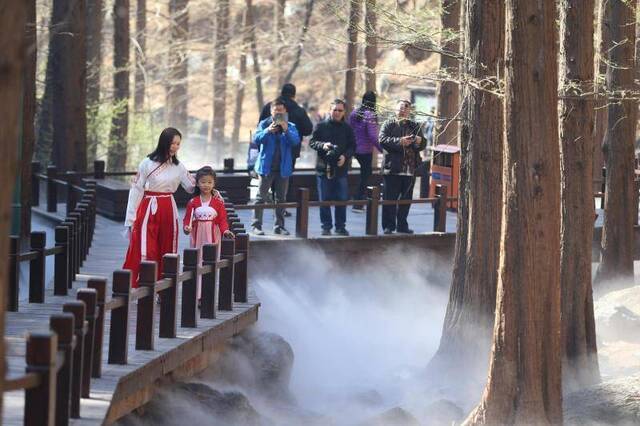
point(275, 137)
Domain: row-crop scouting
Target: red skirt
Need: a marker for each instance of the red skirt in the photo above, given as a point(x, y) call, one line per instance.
point(154, 232)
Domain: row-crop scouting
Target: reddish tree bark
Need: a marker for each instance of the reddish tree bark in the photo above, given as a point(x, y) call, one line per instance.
point(95, 18)
point(220, 76)
point(447, 92)
point(371, 44)
point(352, 54)
point(524, 383)
point(177, 82)
point(580, 367)
point(141, 51)
point(466, 334)
point(117, 155)
point(616, 263)
point(12, 54)
point(603, 44)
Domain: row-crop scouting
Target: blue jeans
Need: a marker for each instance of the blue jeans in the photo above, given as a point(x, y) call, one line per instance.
point(335, 189)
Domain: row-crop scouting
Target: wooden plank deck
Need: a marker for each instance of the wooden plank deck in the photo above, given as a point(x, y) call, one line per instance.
point(121, 387)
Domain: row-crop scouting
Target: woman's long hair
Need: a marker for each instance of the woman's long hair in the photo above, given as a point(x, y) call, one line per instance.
point(161, 153)
point(368, 104)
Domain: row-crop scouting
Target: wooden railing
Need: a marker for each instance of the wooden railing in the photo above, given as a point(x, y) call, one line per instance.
point(372, 204)
point(73, 238)
point(60, 363)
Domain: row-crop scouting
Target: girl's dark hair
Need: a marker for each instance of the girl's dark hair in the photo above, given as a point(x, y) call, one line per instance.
point(161, 153)
point(368, 104)
point(202, 172)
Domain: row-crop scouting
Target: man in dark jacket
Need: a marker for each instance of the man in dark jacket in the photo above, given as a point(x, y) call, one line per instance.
point(297, 115)
point(402, 140)
point(335, 142)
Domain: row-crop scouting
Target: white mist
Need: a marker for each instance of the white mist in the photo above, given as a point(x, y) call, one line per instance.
point(361, 333)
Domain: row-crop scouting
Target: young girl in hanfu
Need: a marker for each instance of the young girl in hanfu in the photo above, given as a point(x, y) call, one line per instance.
point(206, 218)
point(152, 216)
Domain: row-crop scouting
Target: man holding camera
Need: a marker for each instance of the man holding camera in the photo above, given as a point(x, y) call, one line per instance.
point(335, 143)
point(402, 140)
point(275, 138)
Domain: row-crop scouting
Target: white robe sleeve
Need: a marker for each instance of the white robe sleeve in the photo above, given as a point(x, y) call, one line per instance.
point(136, 192)
point(187, 181)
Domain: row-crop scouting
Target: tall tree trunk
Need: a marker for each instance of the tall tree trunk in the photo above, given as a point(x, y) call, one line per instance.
point(177, 87)
point(95, 18)
point(524, 383)
point(220, 77)
point(12, 54)
point(603, 44)
point(28, 117)
point(303, 35)
point(117, 155)
point(242, 78)
point(280, 37)
point(447, 92)
point(371, 44)
point(255, 59)
point(580, 364)
point(141, 51)
point(70, 85)
point(44, 124)
point(466, 334)
point(352, 54)
point(616, 261)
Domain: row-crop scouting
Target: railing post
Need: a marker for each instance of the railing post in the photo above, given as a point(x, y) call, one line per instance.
point(225, 298)
point(98, 169)
point(63, 325)
point(373, 202)
point(440, 210)
point(75, 216)
point(89, 296)
point(40, 402)
point(84, 208)
point(119, 332)
point(72, 224)
point(61, 262)
point(146, 307)
point(71, 199)
point(302, 213)
point(78, 310)
point(228, 165)
point(70, 252)
point(52, 192)
point(14, 274)
point(36, 168)
point(188, 316)
point(168, 297)
point(603, 187)
point(100, 286)
point(37, 267)
point(240, 271)
point(636, 199)
point(209, 281)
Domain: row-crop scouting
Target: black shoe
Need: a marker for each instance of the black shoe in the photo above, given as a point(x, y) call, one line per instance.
point(286, 213)
point(342, 232)
point(405, 231)
point(257, 230)
point(387, 231)
point(326, 231)
point(280, 230)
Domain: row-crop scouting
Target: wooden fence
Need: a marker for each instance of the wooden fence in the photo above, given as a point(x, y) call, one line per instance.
point(61, 362)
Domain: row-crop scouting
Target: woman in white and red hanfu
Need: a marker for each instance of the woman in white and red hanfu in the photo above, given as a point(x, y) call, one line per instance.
point(152, 214)
point(205, 218)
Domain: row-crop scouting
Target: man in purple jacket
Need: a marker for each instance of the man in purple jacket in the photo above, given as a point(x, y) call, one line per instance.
point(364, 122)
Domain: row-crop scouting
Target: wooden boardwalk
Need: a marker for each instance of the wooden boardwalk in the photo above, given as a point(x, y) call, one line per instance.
point(122, 387)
